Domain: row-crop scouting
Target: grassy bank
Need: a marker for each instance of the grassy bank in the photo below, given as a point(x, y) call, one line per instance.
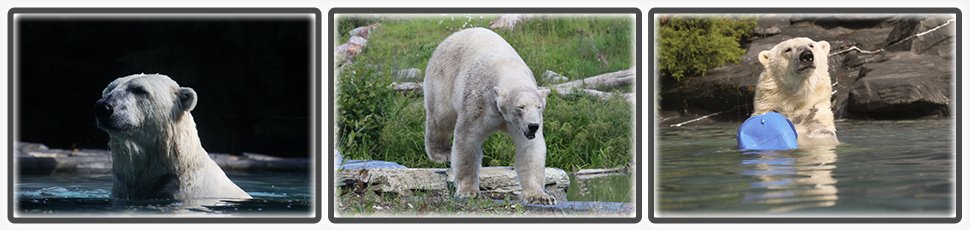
point(582, 131)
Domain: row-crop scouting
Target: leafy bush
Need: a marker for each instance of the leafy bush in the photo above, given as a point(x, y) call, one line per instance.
point(692, 45)
point(362, 101)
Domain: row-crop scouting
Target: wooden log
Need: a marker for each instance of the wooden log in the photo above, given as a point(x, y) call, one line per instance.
point(588, 85)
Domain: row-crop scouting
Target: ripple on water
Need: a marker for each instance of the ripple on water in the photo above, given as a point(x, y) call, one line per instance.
point(881, 167)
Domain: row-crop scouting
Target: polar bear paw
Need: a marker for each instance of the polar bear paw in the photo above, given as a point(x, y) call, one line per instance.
point(540, 198)
point(466, 194)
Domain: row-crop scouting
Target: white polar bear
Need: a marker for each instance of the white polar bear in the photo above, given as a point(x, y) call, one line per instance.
point(155, 148)
point(476, 84)
point(796, 83)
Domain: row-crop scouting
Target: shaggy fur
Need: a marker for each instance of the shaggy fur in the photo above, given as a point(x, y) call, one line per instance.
point(155, 148)
point(799, 89)
point(476, 84)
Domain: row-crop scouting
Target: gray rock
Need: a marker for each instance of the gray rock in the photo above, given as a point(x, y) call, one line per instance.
point(906, 86)
point(501, 183)
point(407, 75)
point(774, 21)
point(730, 88)
point(938, 42)
point(905, 28)
point(38, 159)
point(496, 182)
point(766, 31)
point(402, 181)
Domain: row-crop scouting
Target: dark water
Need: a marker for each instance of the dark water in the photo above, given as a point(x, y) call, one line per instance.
point(274, 194)
point(881, 167)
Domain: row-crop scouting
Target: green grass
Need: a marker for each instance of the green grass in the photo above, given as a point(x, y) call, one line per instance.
point(582, 131)
point(571, 46)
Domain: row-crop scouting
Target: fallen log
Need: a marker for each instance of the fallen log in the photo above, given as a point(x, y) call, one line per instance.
point(588, 85)
point(607, 80)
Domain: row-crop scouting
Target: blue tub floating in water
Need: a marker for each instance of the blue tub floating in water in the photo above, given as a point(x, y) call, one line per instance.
point(769, 131)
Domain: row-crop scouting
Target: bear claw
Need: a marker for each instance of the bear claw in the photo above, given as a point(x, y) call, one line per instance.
point(543, 199)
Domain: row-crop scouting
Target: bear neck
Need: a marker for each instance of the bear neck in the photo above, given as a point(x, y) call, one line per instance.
point(146, 164)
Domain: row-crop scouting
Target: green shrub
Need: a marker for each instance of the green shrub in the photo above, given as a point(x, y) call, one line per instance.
point(691, 45)
point(362, 103)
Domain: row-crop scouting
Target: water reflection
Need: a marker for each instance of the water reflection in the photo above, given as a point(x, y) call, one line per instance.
point(792, 180)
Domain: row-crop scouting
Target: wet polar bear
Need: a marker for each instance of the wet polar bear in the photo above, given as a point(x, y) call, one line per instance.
point(796, 83)
point(477, 84)
point(155, 148)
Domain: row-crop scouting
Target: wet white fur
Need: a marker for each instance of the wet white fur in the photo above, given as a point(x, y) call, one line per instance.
point(163, 143)
point(804, 97)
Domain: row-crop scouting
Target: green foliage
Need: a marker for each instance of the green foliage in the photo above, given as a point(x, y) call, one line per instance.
point(362, 101)
point(692, 45)
point(581, 131)
point(576, 47)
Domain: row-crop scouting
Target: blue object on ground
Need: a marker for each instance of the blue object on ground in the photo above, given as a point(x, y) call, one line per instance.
point(769, 131)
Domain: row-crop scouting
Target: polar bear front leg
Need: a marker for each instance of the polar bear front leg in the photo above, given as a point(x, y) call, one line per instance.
point(466, 156)
point(530, 167)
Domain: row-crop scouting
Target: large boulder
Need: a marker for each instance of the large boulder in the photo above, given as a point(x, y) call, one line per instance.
point(906, 86)
point(938, 42)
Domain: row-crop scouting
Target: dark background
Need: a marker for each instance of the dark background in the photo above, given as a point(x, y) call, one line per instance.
point(252, 77)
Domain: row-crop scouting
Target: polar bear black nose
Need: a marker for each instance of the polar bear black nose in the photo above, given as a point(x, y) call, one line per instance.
point(533, 127)
point(806, 56)
point(103, 110)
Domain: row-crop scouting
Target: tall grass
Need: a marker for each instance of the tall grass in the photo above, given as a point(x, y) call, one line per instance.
point(581, 131)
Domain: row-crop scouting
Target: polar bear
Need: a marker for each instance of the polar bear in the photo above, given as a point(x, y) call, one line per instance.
point(476, 84)
point(796, 83)
point(155, 148)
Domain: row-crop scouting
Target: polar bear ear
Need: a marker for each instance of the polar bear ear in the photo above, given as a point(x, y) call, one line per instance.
point(825, 46)
point(764, 57)
point(544, 93)
point(187, 98)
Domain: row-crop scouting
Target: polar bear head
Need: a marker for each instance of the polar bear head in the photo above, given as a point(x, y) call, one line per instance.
point(796, 60)
point(142, 103)
point(522, 108)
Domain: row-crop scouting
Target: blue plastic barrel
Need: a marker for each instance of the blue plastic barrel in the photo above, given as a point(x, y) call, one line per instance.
point(769, 131)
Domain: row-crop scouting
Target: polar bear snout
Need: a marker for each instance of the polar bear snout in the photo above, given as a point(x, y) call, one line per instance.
point(807, 56)
point(806, 60)
point(108, 119)
point(531, 132)
point(103, 110)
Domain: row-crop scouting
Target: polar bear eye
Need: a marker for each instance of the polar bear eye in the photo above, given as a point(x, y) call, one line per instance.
point(521, 107)
point(787, 50)
point(811, 46)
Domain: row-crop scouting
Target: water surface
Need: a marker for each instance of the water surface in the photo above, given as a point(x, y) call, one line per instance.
point(881, 168)
point(274, 194)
